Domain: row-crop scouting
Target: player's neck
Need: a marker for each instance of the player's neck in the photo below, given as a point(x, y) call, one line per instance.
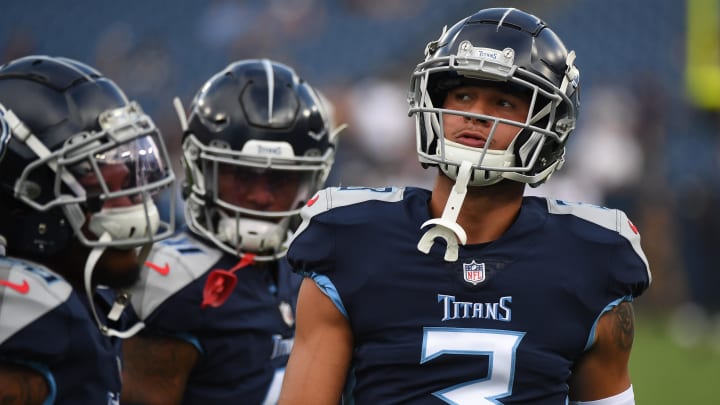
point(486, 213)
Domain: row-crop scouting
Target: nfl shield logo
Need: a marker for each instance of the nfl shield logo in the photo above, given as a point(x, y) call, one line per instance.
point(287, 313)
point(474, 273)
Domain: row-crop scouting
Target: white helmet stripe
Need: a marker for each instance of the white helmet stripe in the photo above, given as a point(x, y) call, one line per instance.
point(507, 12)
point(271, 87)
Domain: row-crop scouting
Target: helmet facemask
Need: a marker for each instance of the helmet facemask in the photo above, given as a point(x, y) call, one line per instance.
point(105, 181)
point(244, 201)
point(537, 149)
point(493, 47)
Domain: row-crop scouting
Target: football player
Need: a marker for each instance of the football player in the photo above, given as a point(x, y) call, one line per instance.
point(471, 293)
point(219, 298)
point(77, 183)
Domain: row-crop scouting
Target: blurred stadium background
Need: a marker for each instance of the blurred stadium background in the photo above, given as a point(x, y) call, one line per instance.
point(647, 141)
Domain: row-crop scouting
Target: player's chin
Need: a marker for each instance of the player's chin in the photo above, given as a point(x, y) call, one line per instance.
point(118, 268)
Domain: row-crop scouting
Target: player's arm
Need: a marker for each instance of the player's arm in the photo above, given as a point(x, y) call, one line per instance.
point(156, 369)
point(22, 386)
point(603, 373)
point(322, 351)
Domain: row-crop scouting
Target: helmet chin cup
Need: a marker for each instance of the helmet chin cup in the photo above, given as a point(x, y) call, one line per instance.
point(135, 221)
point(253, 235)
point(456, 152)
point(446, 227)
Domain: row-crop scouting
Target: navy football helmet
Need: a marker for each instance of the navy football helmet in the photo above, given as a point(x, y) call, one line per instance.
point(259, 141)
point(79, 147)
point(501, 45)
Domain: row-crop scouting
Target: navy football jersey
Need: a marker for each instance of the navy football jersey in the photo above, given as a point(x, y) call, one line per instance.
point(244, 343)
point(503, 324)
point(47, 326)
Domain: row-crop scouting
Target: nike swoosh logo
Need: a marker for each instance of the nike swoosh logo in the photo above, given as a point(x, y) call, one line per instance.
point(163, 270)
point(21, 288)
point(312, 200)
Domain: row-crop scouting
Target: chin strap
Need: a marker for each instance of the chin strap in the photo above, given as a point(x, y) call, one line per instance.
point(446, 226)
point(122, 298)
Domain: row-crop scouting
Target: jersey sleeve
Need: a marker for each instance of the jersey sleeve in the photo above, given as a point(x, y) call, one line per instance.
point(29, 291)
point(327, 222)
point(325, 217)
point(34, 302)
point(618, 269)
point(624, 259)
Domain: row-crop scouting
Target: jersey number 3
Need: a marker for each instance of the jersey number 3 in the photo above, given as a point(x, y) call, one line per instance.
point(499, 345)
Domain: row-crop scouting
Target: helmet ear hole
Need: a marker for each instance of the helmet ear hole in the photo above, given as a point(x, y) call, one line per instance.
point(316, 123)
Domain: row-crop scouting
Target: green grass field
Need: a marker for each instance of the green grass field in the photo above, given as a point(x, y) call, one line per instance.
point(665, 373)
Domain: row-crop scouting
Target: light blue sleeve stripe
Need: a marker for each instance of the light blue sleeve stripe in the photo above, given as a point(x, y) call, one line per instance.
point(192, 339)
point(45, 371)
point(591, 338)
point(53, 387)
point(328, 288)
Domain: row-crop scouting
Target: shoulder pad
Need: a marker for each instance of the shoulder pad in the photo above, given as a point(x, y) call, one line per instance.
point(335, 197)
point(608, 218)
point(27, 291)
point(173, 264)
point(612, 219)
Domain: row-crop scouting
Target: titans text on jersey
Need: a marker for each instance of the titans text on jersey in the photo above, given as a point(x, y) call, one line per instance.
point(453, 309)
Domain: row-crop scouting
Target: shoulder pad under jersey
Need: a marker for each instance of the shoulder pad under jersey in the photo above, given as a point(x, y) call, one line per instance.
point(27, 291)
point(173, 264)
point(335, 197)
point(612, 219)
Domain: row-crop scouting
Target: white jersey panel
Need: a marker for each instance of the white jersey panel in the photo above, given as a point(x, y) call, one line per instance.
point(334, 197)
point(173, 264)
point(27, 292)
